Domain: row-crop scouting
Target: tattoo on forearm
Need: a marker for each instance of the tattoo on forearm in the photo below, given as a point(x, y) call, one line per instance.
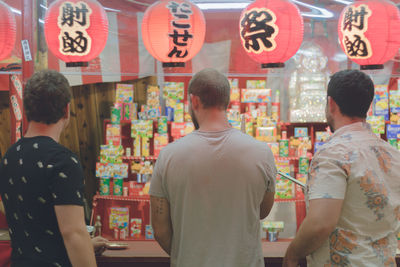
point(160, 206)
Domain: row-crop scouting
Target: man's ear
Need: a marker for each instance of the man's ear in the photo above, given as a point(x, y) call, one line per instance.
point(195, 100)
point(67, 111)
point(332, 106)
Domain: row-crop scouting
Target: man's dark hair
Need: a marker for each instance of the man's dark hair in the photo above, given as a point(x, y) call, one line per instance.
point(353, 92)
point(212, 87)
point(46, 96)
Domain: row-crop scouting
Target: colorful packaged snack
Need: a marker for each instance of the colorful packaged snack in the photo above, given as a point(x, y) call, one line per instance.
point(116, 113)
point(153, 96)
point(137, 147)
point(117, 186)
point(381, 101)
point(377, 124)
point(162, 127)
point(124, 93)
point(284, 148)
point(113, 134)
point(145, 147)
point(127, 109)
point(149, 232)
point(136, 228)
point(179, 113)
point(303, 165)
point(394, 101)
point(256, 95)
point(104, 186)
point(119, 217)
point(300, 132)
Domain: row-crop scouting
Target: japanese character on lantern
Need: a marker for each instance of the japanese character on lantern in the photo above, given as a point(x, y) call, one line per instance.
point(258, 30)
point(71, 14)
point(180, 10)
point(76, 44)
point(354, 25)
point(181, 34)
point(74, 20)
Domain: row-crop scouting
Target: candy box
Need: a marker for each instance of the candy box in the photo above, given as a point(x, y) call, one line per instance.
point(153, 96)
point(322, 136)
point(119, 217)
point(103, 170)
point(255, 84)
point(120, 170)
point(149, 232)
point(300, 132)
point(394, 101)
point(256, 95)
point(124, 93)
point(174, 90)
point(179, 112)
point(136, 227)
point(145, 147)
point(274, 148)
point(117, 186)
point(392, 131)
point(162, 127)
point(113, 134)
point(104, 186)
point(377, 124)
point(381, 101)
point(116, 113)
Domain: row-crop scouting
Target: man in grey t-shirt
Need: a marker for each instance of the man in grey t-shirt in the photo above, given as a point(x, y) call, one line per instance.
point(211, 188)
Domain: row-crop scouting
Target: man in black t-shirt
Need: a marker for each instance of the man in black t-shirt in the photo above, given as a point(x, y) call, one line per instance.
point(41, 183)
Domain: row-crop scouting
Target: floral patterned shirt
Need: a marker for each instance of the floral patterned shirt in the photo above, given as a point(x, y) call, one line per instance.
point(363, 170)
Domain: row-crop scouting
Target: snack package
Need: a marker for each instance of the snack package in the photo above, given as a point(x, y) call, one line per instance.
point(255, 84)
point(116, 113)
point(153, 96)
point(377, 124)
point(142, 128)
point(162, 127)
point(300, 132)
point(137, 152)
point(113, 134)
point(103, 170)
point(256, 95)
point(104, 186)
point(392, 131)
point(394, 101)
point(111, 154)
point(303, 165)
point(235, 94)
point(174, 90)
point(160, 141)
point(136, 228)
point(149, 232)
point(179, 113)
point(145, 147)
point(177, 130)
point(284, 148)
point(124, 93)
point(234, 83)
point(118, 184)
point(120, 170)
point(381, 101)
point(119, 217)
point(284, 188)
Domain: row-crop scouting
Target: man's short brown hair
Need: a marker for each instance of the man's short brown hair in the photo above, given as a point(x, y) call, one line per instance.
point(46, 95)
point(212, 87)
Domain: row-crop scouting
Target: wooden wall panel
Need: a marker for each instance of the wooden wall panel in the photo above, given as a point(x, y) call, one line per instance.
point(5, 132)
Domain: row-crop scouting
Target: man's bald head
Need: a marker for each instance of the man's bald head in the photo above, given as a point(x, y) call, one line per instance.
point(212, 87)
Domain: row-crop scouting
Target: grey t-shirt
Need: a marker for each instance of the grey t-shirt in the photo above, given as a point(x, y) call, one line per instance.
point(215, 183)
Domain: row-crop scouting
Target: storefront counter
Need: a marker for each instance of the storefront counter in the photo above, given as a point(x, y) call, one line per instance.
point(150, 254)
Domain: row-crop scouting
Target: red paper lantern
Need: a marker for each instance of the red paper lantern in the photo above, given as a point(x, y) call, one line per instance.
point(271, 31)
point(173, 31)
point(369, 32)
point(8, 31)
point(76, 30)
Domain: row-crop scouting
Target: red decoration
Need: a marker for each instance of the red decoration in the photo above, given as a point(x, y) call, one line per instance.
point(8, 31)
point(369, 32)
point(271, 31)
point(76, 30)
point(173, 31)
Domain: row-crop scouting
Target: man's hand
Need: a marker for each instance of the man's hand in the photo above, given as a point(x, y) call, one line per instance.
point(99, 245)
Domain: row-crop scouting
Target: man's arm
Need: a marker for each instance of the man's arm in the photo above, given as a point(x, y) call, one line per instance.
point(321, 220)
point(76, 238)
point(266, 204)
point(161, 222)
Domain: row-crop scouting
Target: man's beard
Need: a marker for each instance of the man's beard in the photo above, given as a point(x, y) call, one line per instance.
point(194, 119)
point(329, 121)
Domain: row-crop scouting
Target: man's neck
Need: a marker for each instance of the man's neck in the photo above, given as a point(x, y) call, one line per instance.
point(214, 121)
point(41, 129)
point(344, 121)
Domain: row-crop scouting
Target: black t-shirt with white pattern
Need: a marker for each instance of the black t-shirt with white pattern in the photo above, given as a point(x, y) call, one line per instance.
point(36, 174)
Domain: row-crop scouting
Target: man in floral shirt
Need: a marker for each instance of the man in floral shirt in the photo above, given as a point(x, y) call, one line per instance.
point(353, 189)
